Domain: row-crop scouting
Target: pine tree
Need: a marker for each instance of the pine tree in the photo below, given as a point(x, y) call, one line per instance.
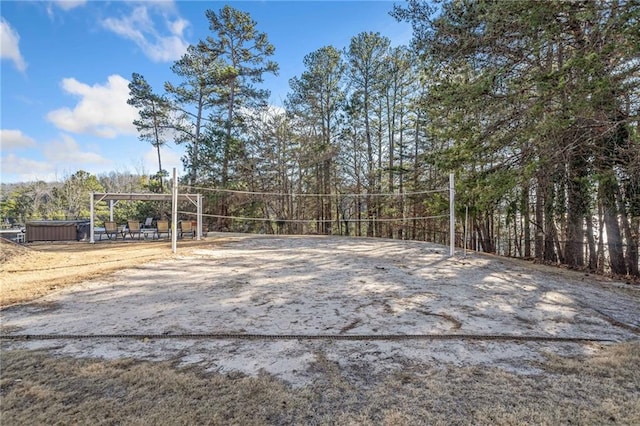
point(530, 95)
point(243, 50)
point(317, 97)
point(366, 57)
point(154, 112)
point(201, 74)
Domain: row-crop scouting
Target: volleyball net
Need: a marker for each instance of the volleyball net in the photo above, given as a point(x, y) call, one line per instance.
point(418, 215)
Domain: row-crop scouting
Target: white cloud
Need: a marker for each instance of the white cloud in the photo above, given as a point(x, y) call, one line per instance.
point(140, 28)
point(65, 5)
point(170, 159)
point(14, 139)
point(60, 156)
point(68, 152)
point(69, 4)
point(64, 156)
point(102, 110)
point(9, 49)
point(178, 26)
point(20, 169)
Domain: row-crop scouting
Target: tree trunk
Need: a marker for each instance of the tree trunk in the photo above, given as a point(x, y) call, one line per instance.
point(631, 253)
point(527, 223)
point(576, 210)
point(160, 168)
point(600, 253)
point(608, 190)
point(550, 233)
point(195, 161)
point(326, 176)
point(593, 257)
point(539, 213)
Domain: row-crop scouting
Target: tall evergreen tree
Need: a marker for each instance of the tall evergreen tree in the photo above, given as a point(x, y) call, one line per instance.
point(366, 56)
point(532, 95)
point(244, 51)
point(317, 96)
point(196, 93)
point(154, 120)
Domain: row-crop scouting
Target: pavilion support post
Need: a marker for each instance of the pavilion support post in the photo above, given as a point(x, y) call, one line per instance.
point(92, 220)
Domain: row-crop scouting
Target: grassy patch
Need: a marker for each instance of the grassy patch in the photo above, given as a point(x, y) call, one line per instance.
point(36, 388)
point(28, 273)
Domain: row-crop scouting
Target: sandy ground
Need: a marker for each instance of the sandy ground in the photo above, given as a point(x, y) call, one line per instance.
point(331, 286)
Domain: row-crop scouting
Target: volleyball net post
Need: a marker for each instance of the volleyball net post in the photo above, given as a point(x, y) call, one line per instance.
point(452, 216)
point(174, 213)
point(199, 222)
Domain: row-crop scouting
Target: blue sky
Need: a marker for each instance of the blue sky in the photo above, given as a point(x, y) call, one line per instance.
point(66, 65)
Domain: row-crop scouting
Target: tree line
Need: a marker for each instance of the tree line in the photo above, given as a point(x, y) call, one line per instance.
point(532, 105)
point(537, 105)
point(69, 199)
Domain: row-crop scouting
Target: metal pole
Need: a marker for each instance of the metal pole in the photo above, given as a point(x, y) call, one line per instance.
point(199, 225)
point(452, 219)
point(92, 223)
point(111, 210)
point(174, 213)
point(466, 227)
